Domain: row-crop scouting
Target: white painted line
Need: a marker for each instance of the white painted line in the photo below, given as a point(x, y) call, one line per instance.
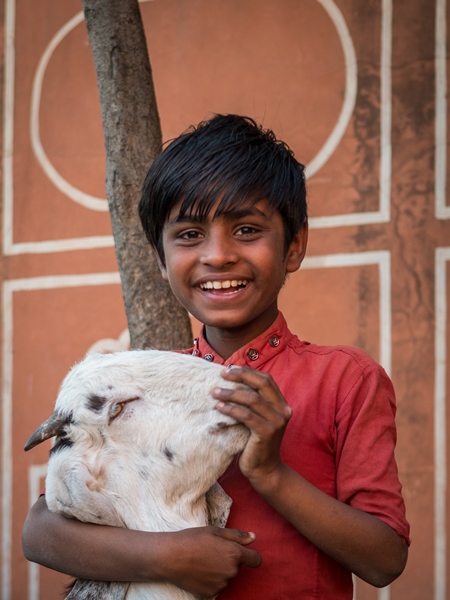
point(382, 258)
point(9, 287)
point(440, 433)
point(384, 594)
point(382, 215)
point(386, 112)
point(7, 463)
point(8, 121)
point(351, 88)
point(86, 200)
point(9, 247)
point(441, 209)
point(36, 474)
point(87, 243)
point(364, 218)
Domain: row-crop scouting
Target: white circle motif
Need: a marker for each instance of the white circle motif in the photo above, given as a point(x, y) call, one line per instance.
point(64, 186)
point(100, 204)
point(351, 87)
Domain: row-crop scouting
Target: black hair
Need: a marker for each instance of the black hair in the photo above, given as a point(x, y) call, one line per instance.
point(230, 158)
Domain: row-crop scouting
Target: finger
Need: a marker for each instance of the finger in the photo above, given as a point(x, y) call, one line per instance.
point(261, 382)
point(251, 408)
point(262, 423)
point(252, 377)
point(250, 558)
point(236, 535)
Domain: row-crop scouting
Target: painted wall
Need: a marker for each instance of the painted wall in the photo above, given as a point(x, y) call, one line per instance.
point(358, 89)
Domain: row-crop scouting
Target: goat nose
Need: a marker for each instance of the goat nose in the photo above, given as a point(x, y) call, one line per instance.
point(52, 427)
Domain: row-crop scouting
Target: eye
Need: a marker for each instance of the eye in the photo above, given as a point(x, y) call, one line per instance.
point(246, 230)
point(115, 410)
point(189, 235)
point(118, 407)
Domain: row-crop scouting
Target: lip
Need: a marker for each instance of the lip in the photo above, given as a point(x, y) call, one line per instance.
point(224, 295)
point(226, 284)
point(222, 287)
point(201, 281)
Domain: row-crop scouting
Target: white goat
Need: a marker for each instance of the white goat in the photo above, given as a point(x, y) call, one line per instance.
point(138, 445)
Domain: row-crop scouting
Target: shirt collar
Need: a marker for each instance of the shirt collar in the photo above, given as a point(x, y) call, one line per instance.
point(255, 353)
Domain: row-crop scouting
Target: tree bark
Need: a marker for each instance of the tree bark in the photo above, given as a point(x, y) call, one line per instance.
point(132, 135)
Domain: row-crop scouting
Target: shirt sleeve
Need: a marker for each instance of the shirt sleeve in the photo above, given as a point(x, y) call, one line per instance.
point(367, 474)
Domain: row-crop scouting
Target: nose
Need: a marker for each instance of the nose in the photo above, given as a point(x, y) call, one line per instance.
point(219, 250)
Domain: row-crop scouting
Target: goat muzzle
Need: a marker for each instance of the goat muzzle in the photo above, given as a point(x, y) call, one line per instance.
point(52, 427)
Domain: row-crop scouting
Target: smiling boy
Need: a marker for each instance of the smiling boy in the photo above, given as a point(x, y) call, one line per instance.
point(224, 205)
point(228, 271)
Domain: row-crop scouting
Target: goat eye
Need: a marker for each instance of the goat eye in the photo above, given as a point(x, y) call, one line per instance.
point(116, 409)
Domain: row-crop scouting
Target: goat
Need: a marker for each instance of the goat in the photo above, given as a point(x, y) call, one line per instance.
point(138, 445)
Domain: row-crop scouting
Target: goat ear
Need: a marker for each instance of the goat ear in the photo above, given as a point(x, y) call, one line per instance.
point(76, 492)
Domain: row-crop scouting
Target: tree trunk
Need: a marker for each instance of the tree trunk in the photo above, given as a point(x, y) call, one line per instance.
point(132, 135)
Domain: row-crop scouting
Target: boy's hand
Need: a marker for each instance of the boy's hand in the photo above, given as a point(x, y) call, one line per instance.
point(265, 412)
point(204, 559)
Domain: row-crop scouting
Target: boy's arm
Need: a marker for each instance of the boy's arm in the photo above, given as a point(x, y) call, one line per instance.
point(359, 541)
point(201, 560)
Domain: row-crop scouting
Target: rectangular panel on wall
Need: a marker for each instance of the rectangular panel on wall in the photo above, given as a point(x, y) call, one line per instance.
point(367, 289)
point(54, 167)
point(49, 324)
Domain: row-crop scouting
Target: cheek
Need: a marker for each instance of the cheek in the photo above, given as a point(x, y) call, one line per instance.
point(178, 268)
point(170, 268)
point(177, 283)
point(173, 273)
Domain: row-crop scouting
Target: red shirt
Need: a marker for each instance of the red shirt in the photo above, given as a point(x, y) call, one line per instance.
point(341, 438)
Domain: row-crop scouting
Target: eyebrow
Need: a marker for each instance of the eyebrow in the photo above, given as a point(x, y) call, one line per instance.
point(235, 213)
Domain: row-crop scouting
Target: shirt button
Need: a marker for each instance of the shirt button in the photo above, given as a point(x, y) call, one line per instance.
point(209, 357)
point(253, 354)
point(274, 341)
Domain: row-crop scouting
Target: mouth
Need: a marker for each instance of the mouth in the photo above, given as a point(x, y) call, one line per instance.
point(231, 285)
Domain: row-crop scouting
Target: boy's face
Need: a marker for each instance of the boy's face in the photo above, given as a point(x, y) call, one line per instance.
point(227, 271)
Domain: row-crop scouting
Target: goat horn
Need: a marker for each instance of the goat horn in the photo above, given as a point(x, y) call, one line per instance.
point(53, 426)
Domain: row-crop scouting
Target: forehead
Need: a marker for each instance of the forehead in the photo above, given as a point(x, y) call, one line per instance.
point(228, 210)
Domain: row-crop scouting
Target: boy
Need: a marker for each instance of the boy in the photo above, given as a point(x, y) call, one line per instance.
point(224, 205)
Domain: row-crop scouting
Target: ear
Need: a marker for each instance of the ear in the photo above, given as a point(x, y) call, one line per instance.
point(297, 250)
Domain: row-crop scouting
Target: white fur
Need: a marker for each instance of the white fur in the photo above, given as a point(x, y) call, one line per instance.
point(151, 466)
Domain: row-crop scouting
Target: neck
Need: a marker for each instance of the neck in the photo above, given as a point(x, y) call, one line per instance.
point(226, 341)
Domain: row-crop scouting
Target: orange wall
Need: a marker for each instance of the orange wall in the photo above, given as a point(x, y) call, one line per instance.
point(358, 90)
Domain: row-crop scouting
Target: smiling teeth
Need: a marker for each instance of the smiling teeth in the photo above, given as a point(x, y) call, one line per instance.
point(220, 285)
